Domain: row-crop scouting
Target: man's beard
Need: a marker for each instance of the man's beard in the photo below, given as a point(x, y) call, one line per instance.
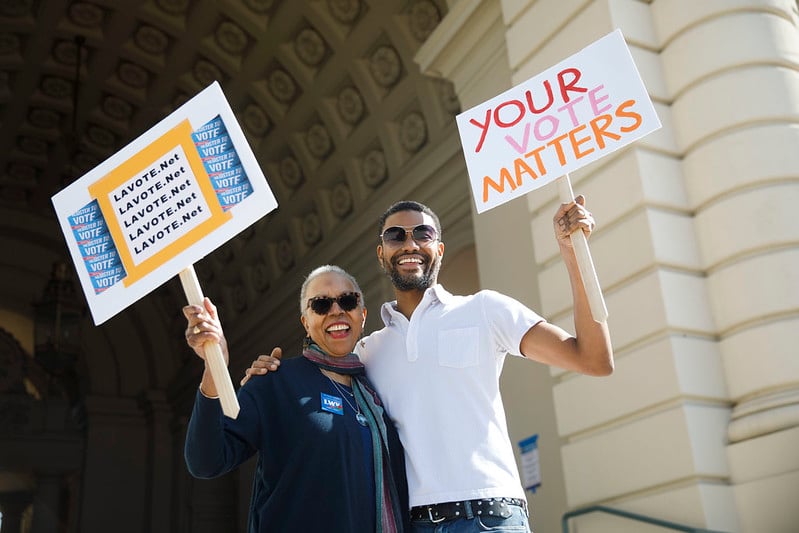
point(413, 282)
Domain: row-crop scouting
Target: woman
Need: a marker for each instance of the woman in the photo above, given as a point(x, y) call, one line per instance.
point(329, 457)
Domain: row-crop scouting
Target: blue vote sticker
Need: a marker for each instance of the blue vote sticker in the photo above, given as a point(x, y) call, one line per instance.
point(332, 404)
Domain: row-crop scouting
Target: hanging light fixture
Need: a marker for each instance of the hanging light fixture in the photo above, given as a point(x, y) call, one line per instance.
point(57, 318)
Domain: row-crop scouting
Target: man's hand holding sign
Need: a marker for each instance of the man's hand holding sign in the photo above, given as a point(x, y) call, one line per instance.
point(577, 111)
point(165, 201)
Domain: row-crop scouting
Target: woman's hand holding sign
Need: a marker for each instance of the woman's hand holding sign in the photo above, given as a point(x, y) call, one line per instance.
point(204, 329)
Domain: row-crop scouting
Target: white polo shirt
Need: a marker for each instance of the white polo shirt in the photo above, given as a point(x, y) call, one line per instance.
point(438, 376)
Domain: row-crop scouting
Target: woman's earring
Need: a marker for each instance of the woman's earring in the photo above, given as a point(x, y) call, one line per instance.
point(306, 342)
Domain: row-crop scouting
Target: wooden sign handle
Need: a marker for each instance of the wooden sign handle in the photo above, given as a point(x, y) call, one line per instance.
point(213, 351)
point(584, 262)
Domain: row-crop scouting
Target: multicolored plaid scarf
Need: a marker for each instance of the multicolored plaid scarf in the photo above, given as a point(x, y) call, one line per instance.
point(386, 499)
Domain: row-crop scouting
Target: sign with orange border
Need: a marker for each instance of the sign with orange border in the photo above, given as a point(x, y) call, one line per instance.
point(169, 198)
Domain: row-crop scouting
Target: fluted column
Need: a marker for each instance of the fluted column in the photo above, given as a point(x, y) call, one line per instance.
point(649, 439)
point(737, 120)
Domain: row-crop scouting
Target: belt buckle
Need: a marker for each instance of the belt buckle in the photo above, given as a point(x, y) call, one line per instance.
point(430, 516)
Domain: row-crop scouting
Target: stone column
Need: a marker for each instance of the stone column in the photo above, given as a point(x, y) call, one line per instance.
point(649, 439)
point(182, 480)
point(159, 413)
point(735, 114)
point(46, 504)
point(13, 505)
point(115, 474)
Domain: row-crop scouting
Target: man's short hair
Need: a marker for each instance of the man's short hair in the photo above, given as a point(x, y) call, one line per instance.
point(408, 205)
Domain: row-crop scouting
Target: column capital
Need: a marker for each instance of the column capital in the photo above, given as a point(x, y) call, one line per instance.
point(469, 41)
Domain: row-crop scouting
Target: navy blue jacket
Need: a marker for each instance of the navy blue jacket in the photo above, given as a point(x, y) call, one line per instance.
point(313, 471)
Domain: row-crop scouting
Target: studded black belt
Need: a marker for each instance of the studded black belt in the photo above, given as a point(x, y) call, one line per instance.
point(440, 512)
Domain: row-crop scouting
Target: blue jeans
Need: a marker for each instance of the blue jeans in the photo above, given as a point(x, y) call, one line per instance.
point(516, 523)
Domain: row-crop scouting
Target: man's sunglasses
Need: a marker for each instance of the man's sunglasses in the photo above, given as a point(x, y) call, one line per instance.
point(321, 305)
point(422, 234)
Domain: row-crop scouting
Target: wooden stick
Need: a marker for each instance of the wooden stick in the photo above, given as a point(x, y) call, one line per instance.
point(213, 351)
point(584, 262)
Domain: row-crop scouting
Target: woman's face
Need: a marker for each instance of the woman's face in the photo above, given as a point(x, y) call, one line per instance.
point(336, 331)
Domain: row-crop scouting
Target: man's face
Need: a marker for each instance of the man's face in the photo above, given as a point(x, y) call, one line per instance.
point(411, 264)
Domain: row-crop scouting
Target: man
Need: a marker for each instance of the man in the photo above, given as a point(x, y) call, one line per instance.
point(436, 364)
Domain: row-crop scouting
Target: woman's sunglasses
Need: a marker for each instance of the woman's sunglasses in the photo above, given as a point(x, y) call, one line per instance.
point(321, 305)
point(422, 234)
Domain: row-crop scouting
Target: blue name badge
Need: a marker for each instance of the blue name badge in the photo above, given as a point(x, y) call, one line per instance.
point(332, 404)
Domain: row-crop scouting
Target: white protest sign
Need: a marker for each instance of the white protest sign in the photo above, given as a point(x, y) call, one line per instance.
point(573, 113)
point(162, 203)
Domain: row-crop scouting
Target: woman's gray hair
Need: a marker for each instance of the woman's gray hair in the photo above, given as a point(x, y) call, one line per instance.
point(327, 269)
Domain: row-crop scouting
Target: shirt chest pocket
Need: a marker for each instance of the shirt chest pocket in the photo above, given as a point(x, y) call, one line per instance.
point(458, 348)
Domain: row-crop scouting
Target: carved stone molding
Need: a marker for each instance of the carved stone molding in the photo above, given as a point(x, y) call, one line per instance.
point(423, 18)
point(10, 44)
point(310, 47)
point(23, 174)
point(291, 172)
point(231, 38)
point(206, 72)
point(385, 66)
point(259, 6)
point(56, 87)
point(85, 14)
point(413, 132)
point(151, 40)
point(350, 105)
point(173, 7)
point(238, 296)
point(132, 74)
point(447, 96)
point(255, 120)
point(344, 11)
point(260, 276)
point(341, 200)
point(86, 161)
point(318, 140)
point(101, 136)
point(374, 168)
point(311, 229)
point(763, 415)
point(32, 145)
point(282, 86)
point(65, 52)
point(44, 118)
point(284, 254)
point(117, 108)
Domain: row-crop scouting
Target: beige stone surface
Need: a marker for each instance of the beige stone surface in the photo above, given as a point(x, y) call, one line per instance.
point(674, 444)
point(681, 368)
point(761, 356)
point(769, 503)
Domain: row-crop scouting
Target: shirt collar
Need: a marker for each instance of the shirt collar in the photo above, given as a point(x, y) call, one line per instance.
point(436, 293)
